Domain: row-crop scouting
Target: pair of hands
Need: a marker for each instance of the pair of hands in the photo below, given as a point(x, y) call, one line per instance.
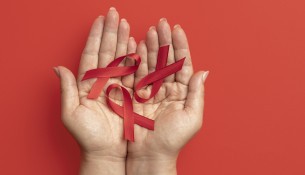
point(177, 108)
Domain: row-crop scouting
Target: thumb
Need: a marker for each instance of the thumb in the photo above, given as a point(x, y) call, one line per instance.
point(69, 90)
point(195, 97)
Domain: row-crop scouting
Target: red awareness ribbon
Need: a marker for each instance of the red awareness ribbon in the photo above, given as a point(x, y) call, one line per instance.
point(154, 78)
point(103, 74)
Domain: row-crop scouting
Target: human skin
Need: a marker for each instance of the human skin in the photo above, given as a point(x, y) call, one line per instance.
point(177, 108)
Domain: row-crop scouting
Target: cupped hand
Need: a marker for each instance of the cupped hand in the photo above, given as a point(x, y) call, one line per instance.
point(177, 108)
point(97, 129)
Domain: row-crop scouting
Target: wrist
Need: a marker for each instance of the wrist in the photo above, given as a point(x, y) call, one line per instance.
point(93, 163)
point(156, 165)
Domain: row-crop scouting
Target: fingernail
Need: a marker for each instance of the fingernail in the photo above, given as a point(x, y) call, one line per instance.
point(163, 19)
point(101, 16)
point(123, 19)
point(205, 75)
point(131, 38)
point(176, 26)
point(112, 8)
point(152, 28)
point(56, 71)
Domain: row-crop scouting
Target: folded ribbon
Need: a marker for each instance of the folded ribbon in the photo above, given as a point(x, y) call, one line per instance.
point(154, 78)
point(103, 74)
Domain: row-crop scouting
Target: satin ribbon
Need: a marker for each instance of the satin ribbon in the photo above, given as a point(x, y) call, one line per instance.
point(154, 78)
point(103, 74)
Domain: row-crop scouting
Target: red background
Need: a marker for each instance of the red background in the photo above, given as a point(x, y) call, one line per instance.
point(254, 122)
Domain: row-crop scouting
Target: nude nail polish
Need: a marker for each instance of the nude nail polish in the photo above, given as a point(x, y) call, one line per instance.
point(152, 27)
point(205, 75)
point(176, 26)
point(56, 71)
point(163, 19)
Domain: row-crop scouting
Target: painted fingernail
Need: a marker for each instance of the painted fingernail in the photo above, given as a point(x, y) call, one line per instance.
point(112, 8)
point(205, 75)
point(152, 28)
point(176, 26)
point(123, 19)
point(56, 71)
point(163, 19)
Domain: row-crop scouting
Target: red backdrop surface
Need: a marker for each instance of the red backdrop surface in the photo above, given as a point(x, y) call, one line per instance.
point(254, 121)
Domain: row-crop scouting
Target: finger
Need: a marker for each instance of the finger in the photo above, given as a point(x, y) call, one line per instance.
point(143, 68)
point(152, 48)
point(195, 96)
point(128, 80)
point(109, 38)
point(69, 91)
point(123, 36)
point(165, 38)
point(181, 50)
point(89, 58)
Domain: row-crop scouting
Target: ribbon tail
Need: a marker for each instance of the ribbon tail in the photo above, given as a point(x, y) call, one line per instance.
point(97, 88)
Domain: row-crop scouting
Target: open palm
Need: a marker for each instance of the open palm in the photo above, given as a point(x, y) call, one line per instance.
point(96, 127)
point(177, 108)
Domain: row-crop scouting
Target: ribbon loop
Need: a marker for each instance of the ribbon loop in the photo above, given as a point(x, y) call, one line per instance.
point(127, 111)
point(156, 79)
point(103, 74)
